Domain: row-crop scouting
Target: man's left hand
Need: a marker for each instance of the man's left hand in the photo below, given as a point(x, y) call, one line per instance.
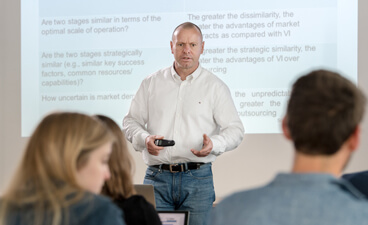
point(206, 149)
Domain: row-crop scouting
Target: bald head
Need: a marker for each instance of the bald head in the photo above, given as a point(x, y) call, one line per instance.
point(187, 25)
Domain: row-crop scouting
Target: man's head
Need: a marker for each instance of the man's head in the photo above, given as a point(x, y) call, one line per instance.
point(324, 110)
point(187, 45)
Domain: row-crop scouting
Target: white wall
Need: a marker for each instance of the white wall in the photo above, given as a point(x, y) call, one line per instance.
point(11, 142)
point(2, 24)
point(255, 161)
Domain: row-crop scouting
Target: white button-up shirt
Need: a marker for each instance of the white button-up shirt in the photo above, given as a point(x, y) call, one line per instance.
point(183, 111)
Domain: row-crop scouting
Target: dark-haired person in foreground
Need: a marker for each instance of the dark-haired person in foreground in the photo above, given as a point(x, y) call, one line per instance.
point(322, 121)
point(120, 188)
point(192, 106)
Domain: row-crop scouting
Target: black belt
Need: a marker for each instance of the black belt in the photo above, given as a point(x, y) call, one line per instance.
point(181, 167)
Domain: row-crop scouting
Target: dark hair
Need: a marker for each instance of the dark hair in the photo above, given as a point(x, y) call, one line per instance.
point(188, 25)
point(121, 165)
point(323, 111)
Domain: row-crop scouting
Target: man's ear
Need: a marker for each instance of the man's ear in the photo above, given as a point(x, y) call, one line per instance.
point(285, 128)
point(354, 139)
point(171, 46)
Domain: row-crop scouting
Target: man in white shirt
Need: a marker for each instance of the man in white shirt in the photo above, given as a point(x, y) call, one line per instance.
point(193, 107)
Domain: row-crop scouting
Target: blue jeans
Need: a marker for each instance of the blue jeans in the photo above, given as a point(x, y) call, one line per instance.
point(191, 190)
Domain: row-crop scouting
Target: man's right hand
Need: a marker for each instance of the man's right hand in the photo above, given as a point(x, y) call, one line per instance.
point(150, 144)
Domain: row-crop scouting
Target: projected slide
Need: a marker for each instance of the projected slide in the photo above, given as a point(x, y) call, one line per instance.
point(91, 56)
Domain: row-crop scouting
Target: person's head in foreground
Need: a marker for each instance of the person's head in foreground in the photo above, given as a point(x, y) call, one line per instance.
point(121, 165)
point(66, 160)
point(322, 119)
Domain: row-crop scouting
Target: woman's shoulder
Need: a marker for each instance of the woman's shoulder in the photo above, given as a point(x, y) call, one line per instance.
point(95, 209)
point(137, 198)
point(138, 210)
point(134, 200)
point(91, 209)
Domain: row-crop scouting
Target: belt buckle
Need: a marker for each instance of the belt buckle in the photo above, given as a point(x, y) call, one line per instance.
point(171, 165)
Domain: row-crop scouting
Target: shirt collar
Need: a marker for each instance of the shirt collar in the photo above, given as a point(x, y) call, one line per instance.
point(190, 78)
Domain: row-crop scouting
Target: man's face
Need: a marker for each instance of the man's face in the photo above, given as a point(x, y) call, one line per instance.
point(187, 46)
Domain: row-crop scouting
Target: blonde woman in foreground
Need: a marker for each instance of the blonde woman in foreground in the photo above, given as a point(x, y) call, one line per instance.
point(63, 168)
point(137, 211)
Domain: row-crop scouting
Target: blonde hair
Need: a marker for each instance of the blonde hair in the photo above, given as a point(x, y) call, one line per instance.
point(46, 177)
point(121, 165)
